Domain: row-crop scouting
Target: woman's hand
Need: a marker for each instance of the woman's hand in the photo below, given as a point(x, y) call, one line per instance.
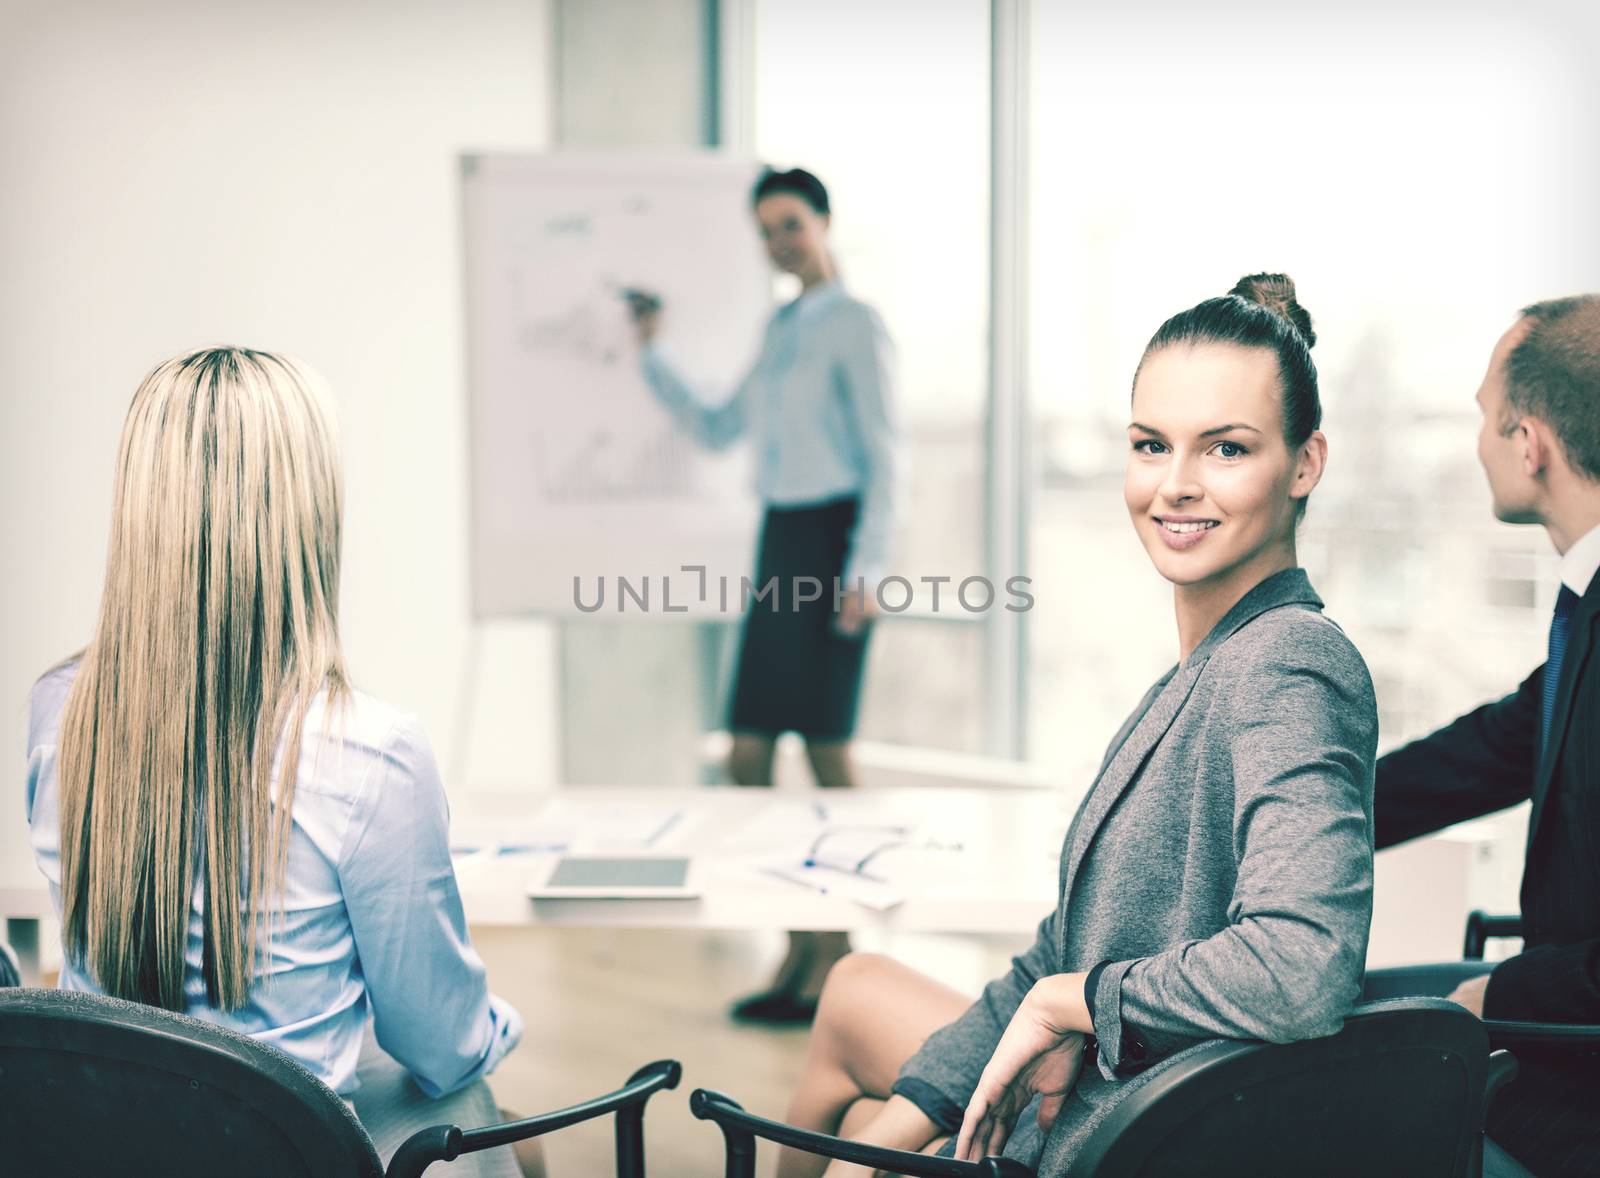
point(645, 307)
point(1040, 1053)
point(1470, 994)
point(856, 609)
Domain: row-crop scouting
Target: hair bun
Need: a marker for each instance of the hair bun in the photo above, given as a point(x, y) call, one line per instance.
point(1275, 292)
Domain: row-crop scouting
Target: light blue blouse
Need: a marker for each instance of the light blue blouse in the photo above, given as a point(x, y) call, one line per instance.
point(819, 406)
point(373, 923)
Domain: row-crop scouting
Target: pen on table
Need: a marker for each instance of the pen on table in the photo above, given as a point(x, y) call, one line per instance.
point(796, 880)
point(532, 849)
point(672, 820)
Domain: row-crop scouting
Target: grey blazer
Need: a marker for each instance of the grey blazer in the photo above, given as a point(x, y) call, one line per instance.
point(1221, 864)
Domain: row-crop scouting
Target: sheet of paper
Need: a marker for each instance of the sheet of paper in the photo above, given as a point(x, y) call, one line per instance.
point(616, 826)
point(578, 825)
point(879, 895)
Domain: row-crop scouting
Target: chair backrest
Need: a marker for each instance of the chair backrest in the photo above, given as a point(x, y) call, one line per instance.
point(1482, 928)
point(10, 974)
point(92, 1085)
point(1400, 1090)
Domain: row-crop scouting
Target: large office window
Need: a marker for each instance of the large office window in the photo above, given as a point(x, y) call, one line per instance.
point(888, 103)
point(1421, 179)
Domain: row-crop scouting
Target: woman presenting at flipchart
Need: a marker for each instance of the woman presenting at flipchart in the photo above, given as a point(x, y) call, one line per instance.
point(819, 407)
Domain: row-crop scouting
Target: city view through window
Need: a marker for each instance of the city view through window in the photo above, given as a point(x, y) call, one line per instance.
point(1157, 176)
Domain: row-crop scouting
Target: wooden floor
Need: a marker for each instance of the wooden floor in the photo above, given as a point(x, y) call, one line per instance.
point(598, 1003)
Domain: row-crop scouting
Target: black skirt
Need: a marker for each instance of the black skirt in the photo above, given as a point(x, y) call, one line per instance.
point(796, 673)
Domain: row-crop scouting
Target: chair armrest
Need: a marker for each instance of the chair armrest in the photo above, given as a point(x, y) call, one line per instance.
point(740, 1129)
point(1502, 1070)
point(444, 1143)
point(1515, 1033)
point(1481, 927)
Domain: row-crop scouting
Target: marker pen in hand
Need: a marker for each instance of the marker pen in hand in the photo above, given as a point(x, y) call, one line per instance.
point(642, 302)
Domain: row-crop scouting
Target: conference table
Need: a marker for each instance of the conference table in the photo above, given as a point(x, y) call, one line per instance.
point(940, 859)
point(948, 860)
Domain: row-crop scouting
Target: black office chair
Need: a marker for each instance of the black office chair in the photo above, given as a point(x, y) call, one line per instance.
point(741, 1129)
point(1401, 1090)
point(1513, 1034)
point(1482, 928)
point(10, 971)
point(1439, 979)
point(92, 1085)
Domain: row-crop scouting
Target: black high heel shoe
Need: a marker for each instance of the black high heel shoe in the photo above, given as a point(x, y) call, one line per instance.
point(775, 1008)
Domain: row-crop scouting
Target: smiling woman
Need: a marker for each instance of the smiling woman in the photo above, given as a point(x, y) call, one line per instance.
point(1219, 871)
point(1225, 446)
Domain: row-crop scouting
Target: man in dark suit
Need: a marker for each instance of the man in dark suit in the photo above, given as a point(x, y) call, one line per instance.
point(1540, 447)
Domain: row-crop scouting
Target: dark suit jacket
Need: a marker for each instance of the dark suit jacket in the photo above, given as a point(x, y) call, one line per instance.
point(1488, 760)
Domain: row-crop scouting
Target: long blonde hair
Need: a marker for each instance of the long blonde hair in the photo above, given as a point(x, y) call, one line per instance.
point(217, 629)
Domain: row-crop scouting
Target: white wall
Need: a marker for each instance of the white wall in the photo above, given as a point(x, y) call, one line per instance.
point(175, 174)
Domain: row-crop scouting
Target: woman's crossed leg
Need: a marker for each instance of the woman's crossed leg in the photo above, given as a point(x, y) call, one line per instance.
point(873, 1016)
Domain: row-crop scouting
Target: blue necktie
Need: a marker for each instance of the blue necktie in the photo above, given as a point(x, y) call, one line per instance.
point(1560, 625)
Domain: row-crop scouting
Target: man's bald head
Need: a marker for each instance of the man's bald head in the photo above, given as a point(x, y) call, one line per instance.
point(1553, 374)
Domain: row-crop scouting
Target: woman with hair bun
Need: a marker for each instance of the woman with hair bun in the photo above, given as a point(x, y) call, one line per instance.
point(229, 829)
point(819, 407)
point(1216, 881)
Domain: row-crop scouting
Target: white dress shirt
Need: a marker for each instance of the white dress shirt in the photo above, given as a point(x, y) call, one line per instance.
point(372, 924)
point(1581, 562)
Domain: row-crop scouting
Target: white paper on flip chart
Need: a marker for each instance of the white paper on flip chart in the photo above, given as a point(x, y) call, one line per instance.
point(577, 471)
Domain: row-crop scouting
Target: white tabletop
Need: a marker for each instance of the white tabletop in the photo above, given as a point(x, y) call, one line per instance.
point(1002, 880)
point(965, 860)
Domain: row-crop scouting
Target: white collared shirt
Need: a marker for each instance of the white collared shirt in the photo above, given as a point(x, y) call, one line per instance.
point(371, 921)
point(1581, 562)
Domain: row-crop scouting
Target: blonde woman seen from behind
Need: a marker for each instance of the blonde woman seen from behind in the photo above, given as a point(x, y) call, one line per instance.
point(228, 828)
